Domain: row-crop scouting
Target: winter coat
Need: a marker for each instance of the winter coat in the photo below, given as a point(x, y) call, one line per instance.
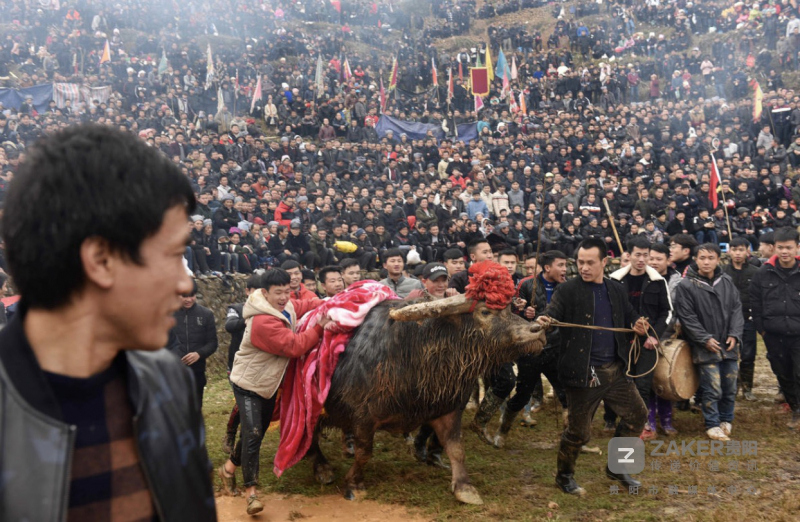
point(775, 299)
point(709, 309)
point(196, 331)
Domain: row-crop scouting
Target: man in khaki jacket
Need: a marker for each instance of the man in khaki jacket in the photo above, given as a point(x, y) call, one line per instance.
point(268, 344)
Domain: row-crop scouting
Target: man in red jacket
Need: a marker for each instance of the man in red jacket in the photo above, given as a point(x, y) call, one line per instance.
point(268, 345)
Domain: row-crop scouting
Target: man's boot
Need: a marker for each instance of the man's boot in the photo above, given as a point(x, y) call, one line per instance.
point(506, 421)
point(489, 405)
point(624, 478)
point(565, 479)
point(664, 408)
point(649, 431)
point(746, 380)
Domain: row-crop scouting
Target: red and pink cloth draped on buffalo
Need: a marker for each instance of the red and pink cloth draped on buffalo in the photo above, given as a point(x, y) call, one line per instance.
point(308, 378)
point(491, 283)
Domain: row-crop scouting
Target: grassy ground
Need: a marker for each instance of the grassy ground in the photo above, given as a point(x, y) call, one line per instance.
point(517, 482)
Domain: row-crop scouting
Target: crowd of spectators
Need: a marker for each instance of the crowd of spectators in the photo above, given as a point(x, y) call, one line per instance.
point(626, 102)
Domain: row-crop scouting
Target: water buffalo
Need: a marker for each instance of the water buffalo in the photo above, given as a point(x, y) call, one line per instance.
point(410, 364)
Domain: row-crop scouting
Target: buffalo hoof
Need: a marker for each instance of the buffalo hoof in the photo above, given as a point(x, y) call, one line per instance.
point(467, 494)
point(324, 473)
point(355, 493)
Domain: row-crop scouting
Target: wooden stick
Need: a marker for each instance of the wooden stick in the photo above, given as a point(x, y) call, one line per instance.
point(613, 226)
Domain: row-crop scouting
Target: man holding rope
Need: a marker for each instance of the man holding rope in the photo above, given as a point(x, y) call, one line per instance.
point(648, 294)
point(595, 316)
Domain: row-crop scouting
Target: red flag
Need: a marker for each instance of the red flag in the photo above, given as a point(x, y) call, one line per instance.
point(433, 72)
point(393, 75)
point(523, 107)
point(713, 183)
point(479, 78)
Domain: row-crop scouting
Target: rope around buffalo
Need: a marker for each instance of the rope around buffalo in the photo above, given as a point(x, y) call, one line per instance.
point(635, 350)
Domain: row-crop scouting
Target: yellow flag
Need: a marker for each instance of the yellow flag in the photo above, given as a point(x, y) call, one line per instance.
point(489, 66)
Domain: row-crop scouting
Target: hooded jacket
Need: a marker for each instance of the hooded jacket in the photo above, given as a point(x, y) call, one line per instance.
point(706, 309)
point(655, 304)
point(269, 342)
point(775, 299)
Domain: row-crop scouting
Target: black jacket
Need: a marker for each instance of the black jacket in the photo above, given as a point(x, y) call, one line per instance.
point(775, 299)
point(709, 309)
point(234, 325)
point(742, 278)
point(655, 303)
point(36, 446)
point(195, 331)
point(573, 302)
point(539, 301)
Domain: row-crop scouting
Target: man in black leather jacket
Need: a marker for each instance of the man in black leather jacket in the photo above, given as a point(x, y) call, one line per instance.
point(90, 400)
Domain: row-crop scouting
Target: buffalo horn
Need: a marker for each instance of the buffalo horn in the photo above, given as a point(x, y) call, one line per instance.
point(457, 304)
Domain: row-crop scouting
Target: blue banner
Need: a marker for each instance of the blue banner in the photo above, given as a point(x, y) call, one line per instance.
point(419, 131)
point(14, 98)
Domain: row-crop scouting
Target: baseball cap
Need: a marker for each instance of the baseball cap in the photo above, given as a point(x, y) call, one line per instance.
point(434, 271)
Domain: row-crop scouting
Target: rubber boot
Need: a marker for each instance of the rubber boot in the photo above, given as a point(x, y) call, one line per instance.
point(665, 414)
point(489, 405)
point(506, 421)
point(746, 381)
point(565, 478)
point(649, 431)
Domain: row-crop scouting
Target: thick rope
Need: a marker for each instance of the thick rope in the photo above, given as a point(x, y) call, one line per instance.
point(636, 346)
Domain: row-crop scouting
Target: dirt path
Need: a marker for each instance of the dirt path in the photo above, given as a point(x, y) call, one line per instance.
point(280, 508)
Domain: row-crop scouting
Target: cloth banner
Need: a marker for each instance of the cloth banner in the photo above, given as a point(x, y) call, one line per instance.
point(480, 81)
point(419, 131)
point(77, 93)
point(14, 98)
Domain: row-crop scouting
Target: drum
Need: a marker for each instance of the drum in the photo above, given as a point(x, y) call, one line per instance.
point(675, 378)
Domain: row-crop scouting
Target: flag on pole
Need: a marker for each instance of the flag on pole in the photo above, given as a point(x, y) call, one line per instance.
point(502, 65)
point(346, 72)
point(460, 72)
point(383, 97)
point(478, 103)
point(449, 84)
point(489, 67)
point(256, 94)
point(220, 100)
point(433, 72)
point(393, 75)
point(713, 183)
point(523, 107)
point(209, 68)
point(512, 102)
point(318, 77)
point(513, 67)
point(106, 56)
point(479, 80)
point(163, 65)
point(758, 97)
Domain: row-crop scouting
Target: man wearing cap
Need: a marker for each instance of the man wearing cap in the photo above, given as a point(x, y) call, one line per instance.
point(435, 279)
